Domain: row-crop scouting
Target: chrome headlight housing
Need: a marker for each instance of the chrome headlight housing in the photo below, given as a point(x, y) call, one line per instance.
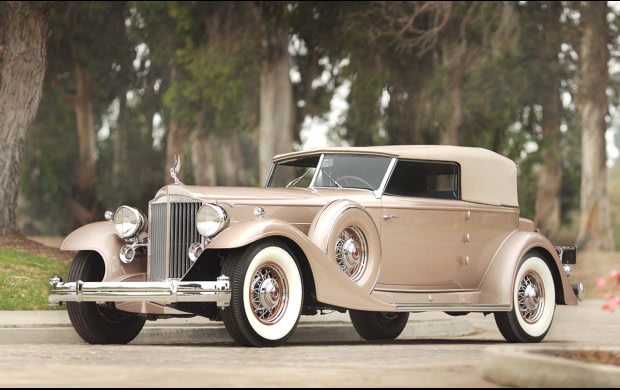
point(210, 220)
point(128, 222)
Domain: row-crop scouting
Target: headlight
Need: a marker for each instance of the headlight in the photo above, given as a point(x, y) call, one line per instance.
point(210, 220)
point(128, 221)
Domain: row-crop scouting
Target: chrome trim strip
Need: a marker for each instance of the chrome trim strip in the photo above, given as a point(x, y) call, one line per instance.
point(316, 171)
point(388, 173)
point(405, 289)
point(451, 307)
point(268, 178)
point(175, 199)
point(166, 292)
point(168, 223)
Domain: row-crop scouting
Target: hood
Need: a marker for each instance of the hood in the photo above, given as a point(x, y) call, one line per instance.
point(297, 206)
point(234, 196)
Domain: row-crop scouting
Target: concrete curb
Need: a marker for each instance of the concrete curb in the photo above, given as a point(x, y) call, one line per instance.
point(306, 332)
point(514, 366)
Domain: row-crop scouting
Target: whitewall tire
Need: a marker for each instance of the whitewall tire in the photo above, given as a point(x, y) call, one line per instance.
point(266, 294)
point(533, 302)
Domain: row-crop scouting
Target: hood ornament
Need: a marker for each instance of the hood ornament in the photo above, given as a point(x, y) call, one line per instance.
point(176, 166)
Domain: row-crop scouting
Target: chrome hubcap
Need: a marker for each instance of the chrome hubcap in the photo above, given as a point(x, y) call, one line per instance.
point(269, 294)
point(531, 297)
point(352, 252)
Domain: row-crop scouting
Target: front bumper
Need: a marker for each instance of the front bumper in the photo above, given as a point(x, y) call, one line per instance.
point(164, 292)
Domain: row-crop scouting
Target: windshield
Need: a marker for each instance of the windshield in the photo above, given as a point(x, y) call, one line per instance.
point(335, 170)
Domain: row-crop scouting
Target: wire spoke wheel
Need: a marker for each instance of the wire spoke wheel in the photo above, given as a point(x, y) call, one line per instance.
point(269, 293)
point(531, 297)
point(533, 306)
point(352, 252)
point(266, 294)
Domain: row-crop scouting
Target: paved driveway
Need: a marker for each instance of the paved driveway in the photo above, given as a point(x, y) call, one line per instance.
point(448, 362)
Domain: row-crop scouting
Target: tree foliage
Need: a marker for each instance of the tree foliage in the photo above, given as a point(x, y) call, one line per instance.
point(189, 74)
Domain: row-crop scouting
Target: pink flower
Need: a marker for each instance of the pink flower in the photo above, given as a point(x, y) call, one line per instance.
point(601, 282)
point(610, 307)
point(612, 302)
point(615, 275)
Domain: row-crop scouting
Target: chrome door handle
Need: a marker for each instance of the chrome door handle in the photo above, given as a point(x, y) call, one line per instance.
point(386, 217)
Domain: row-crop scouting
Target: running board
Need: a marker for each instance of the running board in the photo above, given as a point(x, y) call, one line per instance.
point(451, 307)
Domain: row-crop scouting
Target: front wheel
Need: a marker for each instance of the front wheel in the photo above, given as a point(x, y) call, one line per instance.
point(266, 294)
point(98, 324)
point(372, 325)
point(533, 303)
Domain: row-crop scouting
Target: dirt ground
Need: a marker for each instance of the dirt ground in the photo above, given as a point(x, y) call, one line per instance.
point(590, 266)
point(43, 246)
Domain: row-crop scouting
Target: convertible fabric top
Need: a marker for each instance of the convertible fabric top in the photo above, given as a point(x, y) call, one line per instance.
point(486, 177)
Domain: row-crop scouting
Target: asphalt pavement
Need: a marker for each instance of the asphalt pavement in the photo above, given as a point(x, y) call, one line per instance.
point(40, 348)
point(54, 327)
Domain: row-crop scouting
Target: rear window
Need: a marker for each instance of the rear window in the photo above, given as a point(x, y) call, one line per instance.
point(438, 180)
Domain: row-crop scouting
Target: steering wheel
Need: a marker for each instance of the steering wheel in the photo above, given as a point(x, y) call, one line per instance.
point(346, 179)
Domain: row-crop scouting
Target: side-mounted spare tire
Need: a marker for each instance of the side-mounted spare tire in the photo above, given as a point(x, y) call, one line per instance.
point(99, 324)
point(349, 237)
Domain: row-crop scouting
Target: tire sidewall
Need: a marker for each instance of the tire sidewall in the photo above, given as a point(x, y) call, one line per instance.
point(281, 329)
point(540, 328)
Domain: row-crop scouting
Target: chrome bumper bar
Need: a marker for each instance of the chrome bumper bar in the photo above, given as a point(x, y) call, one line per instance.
point(165, 292)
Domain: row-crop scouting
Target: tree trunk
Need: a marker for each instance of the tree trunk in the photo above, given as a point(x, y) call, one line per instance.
point(276, 102)
point(549, 182)
point(595, 226)
point(22, 68)
point(453, 88)
point(233, 167)
point(176, 137)
point(203, 163)
point(84, 202)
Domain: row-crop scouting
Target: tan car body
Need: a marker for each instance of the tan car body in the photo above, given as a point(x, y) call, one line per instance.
point(448, 255)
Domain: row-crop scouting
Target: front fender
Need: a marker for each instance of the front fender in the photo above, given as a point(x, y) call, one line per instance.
point(101, 238)
point(332, 285)
point(503, 269)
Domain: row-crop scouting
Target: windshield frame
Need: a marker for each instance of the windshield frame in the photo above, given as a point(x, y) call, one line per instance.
point(378, 192)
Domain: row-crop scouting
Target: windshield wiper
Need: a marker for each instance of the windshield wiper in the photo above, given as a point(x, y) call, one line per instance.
point(295, 181)
point(330, 178)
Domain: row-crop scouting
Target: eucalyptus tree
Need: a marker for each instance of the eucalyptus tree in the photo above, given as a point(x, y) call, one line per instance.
point(23, 51)
point(89, 68)
point(595, 224)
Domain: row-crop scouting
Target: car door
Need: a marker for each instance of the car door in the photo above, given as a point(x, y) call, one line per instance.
point(486, 228)
point(422, 227)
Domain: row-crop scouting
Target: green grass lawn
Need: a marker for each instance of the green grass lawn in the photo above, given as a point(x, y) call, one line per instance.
point(24, 279)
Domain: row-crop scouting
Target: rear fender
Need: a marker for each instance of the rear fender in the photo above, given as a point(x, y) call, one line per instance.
point(503, 269)
point(101, 238)
point(332, 286)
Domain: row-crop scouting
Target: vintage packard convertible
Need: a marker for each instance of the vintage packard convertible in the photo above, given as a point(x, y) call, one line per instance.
point(378, 231)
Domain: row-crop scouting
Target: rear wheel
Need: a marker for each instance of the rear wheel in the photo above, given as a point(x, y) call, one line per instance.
point(373, 325)
point(266, 294)
point(533, 303)
point(98, 324)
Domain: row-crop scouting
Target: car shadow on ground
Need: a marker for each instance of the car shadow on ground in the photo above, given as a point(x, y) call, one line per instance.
point(322, 343)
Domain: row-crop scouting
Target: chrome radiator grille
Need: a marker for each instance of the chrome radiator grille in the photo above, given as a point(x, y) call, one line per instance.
point(172, 229)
